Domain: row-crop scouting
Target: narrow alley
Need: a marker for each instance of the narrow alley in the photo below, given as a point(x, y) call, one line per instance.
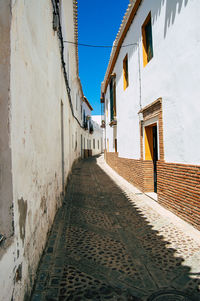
point(110, 242)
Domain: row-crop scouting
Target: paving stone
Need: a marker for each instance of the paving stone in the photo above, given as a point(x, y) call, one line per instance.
point(108, 244)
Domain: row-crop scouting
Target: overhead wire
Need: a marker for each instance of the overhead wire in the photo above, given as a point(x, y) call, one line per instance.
point(98, 46)
point(109, 46)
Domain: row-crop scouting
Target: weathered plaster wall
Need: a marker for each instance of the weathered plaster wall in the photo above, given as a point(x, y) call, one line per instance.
point(5, 151)
point(41, 129)
point(171, 74)
point(38, 133)
point(7, 248)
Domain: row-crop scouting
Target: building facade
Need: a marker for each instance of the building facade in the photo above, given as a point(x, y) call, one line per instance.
point(151, 102)
point(41, 130)
point(97, 142)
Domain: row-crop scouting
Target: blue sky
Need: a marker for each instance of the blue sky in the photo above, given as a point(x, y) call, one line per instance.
point(98, 24)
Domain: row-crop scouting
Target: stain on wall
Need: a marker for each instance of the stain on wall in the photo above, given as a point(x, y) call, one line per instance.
point(43, 205)
point(22, 206)
point(18, 274)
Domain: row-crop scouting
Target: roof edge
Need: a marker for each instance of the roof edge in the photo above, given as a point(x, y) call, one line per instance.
point(87, 103)
point(125, 25)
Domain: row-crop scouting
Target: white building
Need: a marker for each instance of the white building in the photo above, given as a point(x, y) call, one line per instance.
point(151, 94)
point(98, 134)
point(97, 118)
point(97, 139)
point(41, 130)
point(92, 139)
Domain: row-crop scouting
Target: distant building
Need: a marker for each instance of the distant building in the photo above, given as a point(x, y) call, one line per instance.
point(41, 130)
point(97, 118)
point(151, 100)
point(98, 135)
point(91, 144)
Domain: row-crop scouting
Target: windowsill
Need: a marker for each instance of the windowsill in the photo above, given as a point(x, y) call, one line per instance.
point(125, 88)
point(113, 122)
point(148, 63)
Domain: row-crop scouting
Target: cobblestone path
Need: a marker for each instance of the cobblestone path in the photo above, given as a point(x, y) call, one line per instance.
point(108, 244)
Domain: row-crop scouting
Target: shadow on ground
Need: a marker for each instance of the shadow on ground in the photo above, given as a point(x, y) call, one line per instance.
point(101, 247)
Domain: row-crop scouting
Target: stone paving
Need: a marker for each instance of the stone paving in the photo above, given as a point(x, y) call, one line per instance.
point(108, 242)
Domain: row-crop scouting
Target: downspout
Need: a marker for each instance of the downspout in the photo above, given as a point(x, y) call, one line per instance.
point(140, 79)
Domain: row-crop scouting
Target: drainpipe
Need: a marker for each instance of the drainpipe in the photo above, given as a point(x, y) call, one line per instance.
point(140, 80)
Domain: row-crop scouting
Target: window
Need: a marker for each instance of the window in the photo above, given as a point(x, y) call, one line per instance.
point(112, 97)
point(147, 40)
point(125, 72)
point(93, 143)
point(85, 122)
point(98, 144)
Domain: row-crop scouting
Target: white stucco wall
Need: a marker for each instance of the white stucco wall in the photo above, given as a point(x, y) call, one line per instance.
point(44, 139)
point(97, 118)
point(171, 74)
point(97, 135)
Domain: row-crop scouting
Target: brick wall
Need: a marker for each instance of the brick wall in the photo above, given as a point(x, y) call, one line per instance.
point(137, 172)
point(179, 190)
point(178, 184)
point(148, 184)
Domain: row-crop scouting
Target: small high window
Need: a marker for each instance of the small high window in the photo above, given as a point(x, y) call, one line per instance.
point(147, 40)
point(125, 72)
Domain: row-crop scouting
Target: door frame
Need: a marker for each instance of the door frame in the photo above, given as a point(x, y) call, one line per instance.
point(151, 122)
point(148, 115)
